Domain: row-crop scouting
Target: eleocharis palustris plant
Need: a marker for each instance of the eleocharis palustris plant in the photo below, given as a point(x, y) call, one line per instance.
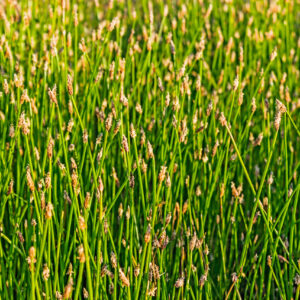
point(149, 149)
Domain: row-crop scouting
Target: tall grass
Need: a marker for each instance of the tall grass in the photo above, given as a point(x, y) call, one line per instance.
point(149, 149)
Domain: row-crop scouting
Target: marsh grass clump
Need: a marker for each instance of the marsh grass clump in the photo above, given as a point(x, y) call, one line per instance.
point(149, 149)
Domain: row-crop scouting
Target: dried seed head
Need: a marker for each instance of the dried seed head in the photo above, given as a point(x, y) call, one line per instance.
point(120, 210)
point(144, 166)
point(87, 200)
point(151, 124)
point(52, 94)
point(71, 147)
point(70, 107)
point(30, 182)
point(31, 257)
point(236, 84)
point(150, 150)
point(241, 98)
point(50, 147)
point(206, 249)
point(253, 104)
point(193, 241)
point(85, 136)
point(152, 292)
point(155, 271)
point(112, 70)
point(168, 218)
point(115, 176)
point(234, 277)
point(297, 280)
point(105, 271)
point(179, 282)
point(258, 140)
point(138, 108)
point(81, 255)
point(222, 119)
point(208, 110)
point(24, 124)
point(277, 120)
point(172, 48)
point(162, 174)
point(5, 87)
point(105, 226)
point(48, 211)
point(168, 180)
point(143, 137)
point(280, 106)
point(46, 272)
point(125, 143)
point(202, 280)
point(131, 181)
point(36, 153)
point(81, 222)
point(82, 46)
point(100, 185)
point(24, 97)
point(70, 125)
point(128, 213)
point(269, 261)
point(241, 56)
point(168, 99)
point(185, 207)
point(43, 201)
point(234, 191)
point(160, 85)
point(147, 236)
point(273, 54)
point(20, 236)
point(117, 127)
point(85, 294)
point(111, 288)
point(68, 290)
point(74, 178)
point(73, 164)
point(75, 13)
point(137, 270)
point(99, 155)
point(113, 260)
point(10, 187)
point(48, 181)
point(123, 278)
point(132, 131)
point(11, 131)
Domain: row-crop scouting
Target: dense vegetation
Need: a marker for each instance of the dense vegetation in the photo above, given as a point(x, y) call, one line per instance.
point(149, 149)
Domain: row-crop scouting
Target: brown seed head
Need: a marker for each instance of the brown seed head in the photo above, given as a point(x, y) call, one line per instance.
point(87, 200)
point(52, 94)
point(48, 211)
point(150, 150)
point(46, 272)
point(125, 143)
point(48, 180)
point(30, 182)
point(68, 291)
point(81, 222)
point(179, 282)
point(280, 106)
point(113, 260)
point(81, 255)
point(222, 119)
point(132, 131)
point(123, 278)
